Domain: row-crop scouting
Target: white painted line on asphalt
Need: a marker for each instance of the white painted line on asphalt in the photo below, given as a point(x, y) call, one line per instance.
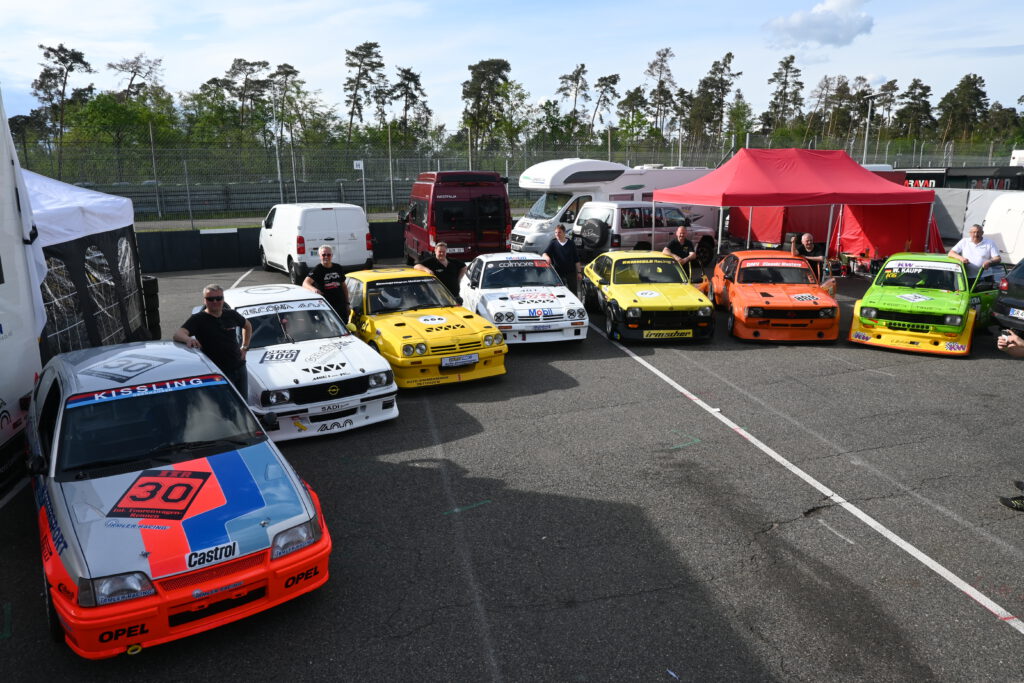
point(244, 275)
point(467, 562)
point(839, 358)
point(892, 537)
point(825, 524)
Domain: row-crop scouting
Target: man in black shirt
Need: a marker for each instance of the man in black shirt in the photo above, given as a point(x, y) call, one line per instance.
point(815, 253)
point(216, 332)
point(680, 248)
point(561, 254)
point(448, 270)
point(328, 280)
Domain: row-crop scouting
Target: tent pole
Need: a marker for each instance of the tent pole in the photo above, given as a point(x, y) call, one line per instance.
point(750, 226)
point(721, 229)
point(828, 234)
point(928, 227)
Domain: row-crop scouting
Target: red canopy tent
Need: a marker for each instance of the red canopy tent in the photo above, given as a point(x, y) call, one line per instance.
point(803, 188)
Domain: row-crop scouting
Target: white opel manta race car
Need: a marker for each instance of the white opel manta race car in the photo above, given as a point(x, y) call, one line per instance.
point(524, 298)
point(307, 368)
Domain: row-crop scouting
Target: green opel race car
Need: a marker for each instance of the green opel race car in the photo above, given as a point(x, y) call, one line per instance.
point(925, 303)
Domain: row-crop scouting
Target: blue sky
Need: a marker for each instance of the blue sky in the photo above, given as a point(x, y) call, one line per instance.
point(938, 41)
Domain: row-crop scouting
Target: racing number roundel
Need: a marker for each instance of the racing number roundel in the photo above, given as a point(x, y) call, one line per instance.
point(160, 494)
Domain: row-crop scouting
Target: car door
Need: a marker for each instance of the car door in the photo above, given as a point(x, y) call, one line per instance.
point(984, 293)
point(469, 285)
point(724, 279)
point(603, 270)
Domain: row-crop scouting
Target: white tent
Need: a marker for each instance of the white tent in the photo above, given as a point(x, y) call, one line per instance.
point(65, 212)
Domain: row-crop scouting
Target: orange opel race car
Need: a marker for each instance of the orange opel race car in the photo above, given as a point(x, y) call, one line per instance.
point(776, 296)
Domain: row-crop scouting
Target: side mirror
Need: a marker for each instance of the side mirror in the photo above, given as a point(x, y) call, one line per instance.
point(36, 465)
point(350, 326)
point(403, 216)
point(269, 421)
point(472, 284)
point(602, 281)
point(568, 216)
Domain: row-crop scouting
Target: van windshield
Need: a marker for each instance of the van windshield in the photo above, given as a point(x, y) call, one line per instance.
point(548, 205)
point(479, 213)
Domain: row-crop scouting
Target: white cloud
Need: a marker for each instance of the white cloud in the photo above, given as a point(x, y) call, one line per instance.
point(832, 22)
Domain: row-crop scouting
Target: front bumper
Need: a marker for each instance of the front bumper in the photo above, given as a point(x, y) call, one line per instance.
point(331, 417)
point(567, 330)
point(934, 342)
point(422, 371)
point(193, 602)
point(648, 328)
point(786, 329)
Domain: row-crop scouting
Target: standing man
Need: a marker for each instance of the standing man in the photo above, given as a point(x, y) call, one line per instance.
point(975, 250)
point(448, 270)
point(328, 280)
point(562, 255)
point(216, 332)
point(680, 248)
point(815, 253)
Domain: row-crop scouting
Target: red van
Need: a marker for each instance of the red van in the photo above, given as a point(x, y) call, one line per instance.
point(466, 209)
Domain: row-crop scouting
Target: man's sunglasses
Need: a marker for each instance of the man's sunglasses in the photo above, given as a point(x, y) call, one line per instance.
point(215, 298)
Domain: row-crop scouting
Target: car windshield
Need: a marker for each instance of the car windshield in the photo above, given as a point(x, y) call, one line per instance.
point(520, 273)
point(407, 294)
point(548, 205)
point(922, 275)
point(776, 273)
point(285, 324)
point(161, 422)
point(647, 271)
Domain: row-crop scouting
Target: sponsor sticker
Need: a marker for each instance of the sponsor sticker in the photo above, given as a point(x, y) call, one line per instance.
point(123, 368)
point(861, 336)
point(540, 311)
point(285, 306)
point(917, 266)
point(218, 553)
point(528, 296)
point(648, 293)
point(78, 400)
point(632, 261)
point(160, 494)
point(773, 264)
point(913, 298)
point(522, 263)
point(433, 319)
point(280, 356)
point(325, 368)
point(667, 334)
point(805, 297)
point(955, 346)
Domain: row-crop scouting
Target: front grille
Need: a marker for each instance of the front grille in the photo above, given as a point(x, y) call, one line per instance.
point(908, 327)
point(919, 319)
point(216, 608)
point(792, 313)
point(669, 320)
point(452, 348)
point(517, 239)
point(215, 572)
point(327, 417)
point(330, 391)
point(555, 317)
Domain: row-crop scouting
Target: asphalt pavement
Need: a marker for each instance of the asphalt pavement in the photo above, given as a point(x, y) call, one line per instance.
point(650, 512)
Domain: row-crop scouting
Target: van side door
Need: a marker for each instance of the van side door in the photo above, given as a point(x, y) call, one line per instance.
point(268, 241)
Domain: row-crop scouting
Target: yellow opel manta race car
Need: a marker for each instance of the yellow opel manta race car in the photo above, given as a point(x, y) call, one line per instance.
point(414, 322)
point(646, 295)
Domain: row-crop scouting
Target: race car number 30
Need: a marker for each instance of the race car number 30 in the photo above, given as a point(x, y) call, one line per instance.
point(160, 494)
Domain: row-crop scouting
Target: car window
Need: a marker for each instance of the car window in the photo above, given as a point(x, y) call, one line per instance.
point(922, 275)
point(729, 266)
point(167, 421)
point(269, 221)
point(355, 293)
point(474, 272)
point(48, 418)
point(647, 272)
point(589, 212)
point(407, 294)
point(672, 217)
point(520, 273)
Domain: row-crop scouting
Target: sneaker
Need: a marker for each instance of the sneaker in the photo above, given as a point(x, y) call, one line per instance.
point(1015, 503)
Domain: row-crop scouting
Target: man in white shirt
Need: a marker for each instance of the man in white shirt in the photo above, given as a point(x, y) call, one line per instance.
point(976, 250)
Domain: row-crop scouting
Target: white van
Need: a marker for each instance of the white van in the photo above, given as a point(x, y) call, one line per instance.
point(1004, 225)
point(607, 226)
point(568, 184)
point(291, 234)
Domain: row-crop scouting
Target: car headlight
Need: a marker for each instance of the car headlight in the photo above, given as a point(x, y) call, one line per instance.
point(421, 349)
point(581, 313)
point(955, 320)
point(488, 340)
point(828, 312)
point(408, 349)
point(296, 538)
point(273, 398)
point(498, 338)
point(510, 317)
point(571, 312)
point(633, 312)
point(704, 312)
point(499, 317)
point(380, 379)
point(110, 589)
point(868, 312)
point(755, 312)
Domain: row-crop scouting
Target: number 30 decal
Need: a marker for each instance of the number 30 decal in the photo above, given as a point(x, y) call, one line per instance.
point(160, 494)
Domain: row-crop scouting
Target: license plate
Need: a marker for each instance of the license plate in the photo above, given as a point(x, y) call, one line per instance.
point(332, 408)
point(667, 334)
point(455, 250)
point(458, 361)
point(578, 241)
point(516, 246)
point(1016, 313)
point(541, 328)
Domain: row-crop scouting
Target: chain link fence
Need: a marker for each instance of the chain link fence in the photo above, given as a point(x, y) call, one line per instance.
point(190, 182)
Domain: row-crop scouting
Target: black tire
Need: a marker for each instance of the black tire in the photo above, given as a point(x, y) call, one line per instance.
point(706, 251)
point(611, 328)
point(589, 297)
point(297, 272)
point(594, 233)
point(731, 322)
point(152, 316)
point(53, 624)
point(711, 293)
point(150, 285)
point(263, 260)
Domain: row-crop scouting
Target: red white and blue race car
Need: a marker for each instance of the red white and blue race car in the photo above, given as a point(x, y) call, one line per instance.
point(164, 509)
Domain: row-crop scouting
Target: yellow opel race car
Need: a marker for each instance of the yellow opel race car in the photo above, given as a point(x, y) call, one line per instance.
point(646, 295)
point(414, 322)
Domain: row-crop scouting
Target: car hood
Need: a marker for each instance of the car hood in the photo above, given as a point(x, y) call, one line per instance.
point(524, 298)
point(282, 366)
point(430, 324)
point(663, 296)
point(231, 504)
point(783, 296)
point(916, 300)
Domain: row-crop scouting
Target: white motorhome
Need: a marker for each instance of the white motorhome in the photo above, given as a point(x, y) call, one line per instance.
point(567, 184)
point(1017, 157)
point(1004, 225)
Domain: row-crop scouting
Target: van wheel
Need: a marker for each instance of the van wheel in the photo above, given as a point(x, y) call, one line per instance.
point(53, 624)
point(297, 272)
point(263, 260)
point(706, 251)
